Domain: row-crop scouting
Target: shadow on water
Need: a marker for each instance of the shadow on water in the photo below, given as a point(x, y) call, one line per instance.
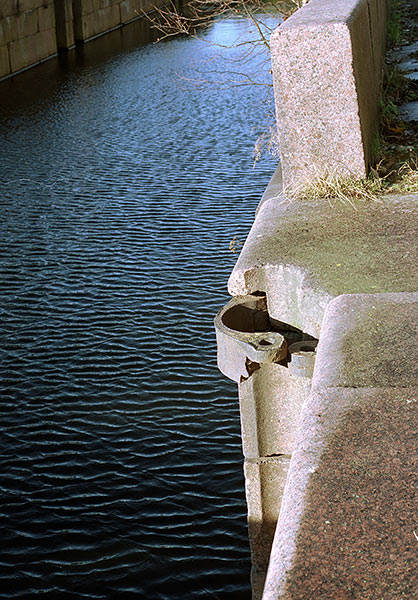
point(44, 80)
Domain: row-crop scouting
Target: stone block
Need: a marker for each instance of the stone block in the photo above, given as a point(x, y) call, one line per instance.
point(304, 253)
point(94, 6)
point(108, 3)
point(326, 89)
point(8, 30)
point(100, 22)
point(46, 17)
point(346, 525)
point(32, 49)
point(270, 404)
point(4, 61)
point(368, 340)
point(8, 8)
point(27, 23)
point(64, 24)
point(91, 6)
point(130, 9)
point(265, 479)
point(65, 35)
point(245, 338)
point(28, 5)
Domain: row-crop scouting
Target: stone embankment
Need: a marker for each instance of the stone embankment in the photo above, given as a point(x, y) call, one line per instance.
point(32, 31)
point(327, 415)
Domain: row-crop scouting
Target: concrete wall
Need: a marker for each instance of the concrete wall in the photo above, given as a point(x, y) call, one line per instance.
point(34, 30)
point(64, 17)
point(94, 17)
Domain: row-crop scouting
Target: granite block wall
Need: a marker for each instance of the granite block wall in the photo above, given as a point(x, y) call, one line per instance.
point(27, 33)
point(327, 70)
point(34, 30)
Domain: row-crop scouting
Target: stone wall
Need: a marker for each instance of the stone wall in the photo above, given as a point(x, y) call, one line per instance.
point(34, 30)
point(94, 17)
point(302, 257)
point(27, 33)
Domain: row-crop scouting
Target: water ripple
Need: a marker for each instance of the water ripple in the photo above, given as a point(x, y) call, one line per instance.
point(120, 445)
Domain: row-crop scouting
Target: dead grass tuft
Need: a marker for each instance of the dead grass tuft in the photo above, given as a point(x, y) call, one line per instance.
point(347, 189)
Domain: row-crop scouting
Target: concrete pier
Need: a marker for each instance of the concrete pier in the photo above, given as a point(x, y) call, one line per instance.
point(329, 451)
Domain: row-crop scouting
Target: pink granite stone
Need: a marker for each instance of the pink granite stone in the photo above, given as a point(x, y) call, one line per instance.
point(327, 61)
point(347, 528)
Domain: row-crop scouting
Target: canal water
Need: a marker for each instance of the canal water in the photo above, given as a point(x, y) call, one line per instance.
point(120, 191)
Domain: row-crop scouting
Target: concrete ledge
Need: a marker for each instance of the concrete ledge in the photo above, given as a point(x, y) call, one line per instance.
point(346, 526)
point(304, 254)
point(344, 273)
point(369, 341)
point(327, 69)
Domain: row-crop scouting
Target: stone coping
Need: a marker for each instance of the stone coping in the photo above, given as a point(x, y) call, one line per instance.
point(347, 526)
point(303, 254)
point(368, 341)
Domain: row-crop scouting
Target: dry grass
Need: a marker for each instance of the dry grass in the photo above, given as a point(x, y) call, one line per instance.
point(347, 189)
point(407, 181)
point(335, 187)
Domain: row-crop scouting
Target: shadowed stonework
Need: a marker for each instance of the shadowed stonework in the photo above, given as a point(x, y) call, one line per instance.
point(31, 31)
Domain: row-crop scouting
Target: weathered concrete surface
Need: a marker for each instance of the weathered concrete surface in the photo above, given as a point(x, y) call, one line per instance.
point(303, 254)
point(64, 24)
point(255, 352)
point(95, 17)
point(4, 61)
point(265, 479)
point(245, 338)
point(270, 404)
point(327, 69)
point(46, 17)
point(347, 526)
point(32, 49)
point(92, 18)
point(129, 9)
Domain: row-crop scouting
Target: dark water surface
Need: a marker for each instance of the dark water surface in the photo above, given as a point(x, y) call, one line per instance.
point(121, 468)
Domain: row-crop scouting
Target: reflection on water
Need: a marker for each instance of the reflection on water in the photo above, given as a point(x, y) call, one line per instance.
point(121, 467)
